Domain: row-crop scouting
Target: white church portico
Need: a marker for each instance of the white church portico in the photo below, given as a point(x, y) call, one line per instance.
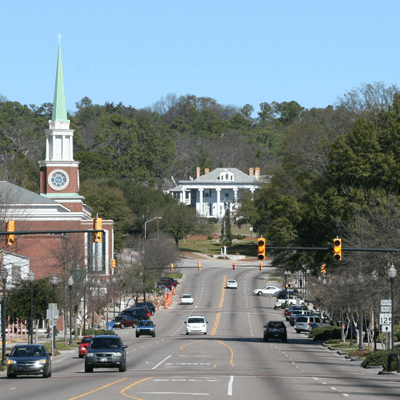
point(215, 192)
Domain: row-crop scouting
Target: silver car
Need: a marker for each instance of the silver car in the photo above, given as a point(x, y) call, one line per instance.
point(305, 322)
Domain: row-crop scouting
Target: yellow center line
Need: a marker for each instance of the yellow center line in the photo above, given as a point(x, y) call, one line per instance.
point(230, 348)
point(133, 384)
point(95, 390)
point(221, 302)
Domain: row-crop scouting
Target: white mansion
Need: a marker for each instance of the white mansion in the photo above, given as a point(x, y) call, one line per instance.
point(214, 192)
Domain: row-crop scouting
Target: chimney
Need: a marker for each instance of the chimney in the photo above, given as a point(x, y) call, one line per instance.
point(257, 173)
point(197, 172)
point(206, 171)
point(251, 171)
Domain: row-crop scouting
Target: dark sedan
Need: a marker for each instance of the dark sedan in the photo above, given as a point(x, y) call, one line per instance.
point(147, 304)
point(145, 328)
point(106, 351)
point(29, 359)
point(275, 330)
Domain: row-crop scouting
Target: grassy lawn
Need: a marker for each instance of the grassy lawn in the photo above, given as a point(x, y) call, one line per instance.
point(243, 247)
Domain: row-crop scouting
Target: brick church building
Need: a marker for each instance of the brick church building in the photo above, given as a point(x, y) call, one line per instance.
point(57, 207)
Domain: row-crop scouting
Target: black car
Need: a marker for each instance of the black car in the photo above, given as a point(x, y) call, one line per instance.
point(275, 330)
point(138, 313)
point(106, 351)
point(29, 359)
point(147, 304)
point(145, 328)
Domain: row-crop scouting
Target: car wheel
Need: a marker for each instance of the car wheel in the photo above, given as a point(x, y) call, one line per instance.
point(298, 331)
point(284, 339)
point(265, 339)
point(49, 374)
point(46, 374)
point(187, 333)
point(88, 369)
point(154, 334)
point(122, 326)
point(260, 293)
point(137, 335)
point(122, 368)
point(80, 356)
point(205, 333)
point(11, 376)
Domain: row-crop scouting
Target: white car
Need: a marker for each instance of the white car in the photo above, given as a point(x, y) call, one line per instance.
point(291, 300)
point(266, 290)
point(196, 323)
point(186, 299)
point(231, 283)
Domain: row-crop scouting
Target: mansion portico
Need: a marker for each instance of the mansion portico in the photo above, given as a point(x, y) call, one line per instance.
point(214, 192)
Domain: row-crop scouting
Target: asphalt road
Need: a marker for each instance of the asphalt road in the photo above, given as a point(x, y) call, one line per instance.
point(231, 361)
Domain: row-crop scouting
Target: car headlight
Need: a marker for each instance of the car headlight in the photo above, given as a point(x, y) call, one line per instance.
point(10, 362)
point(89, 355)
point(117, 354)
point(40, 362)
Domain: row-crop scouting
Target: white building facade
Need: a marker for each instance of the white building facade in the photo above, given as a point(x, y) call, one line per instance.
point(215, 192)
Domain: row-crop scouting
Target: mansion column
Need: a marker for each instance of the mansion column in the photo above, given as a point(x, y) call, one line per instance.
point(201, 201)
point(218, 201)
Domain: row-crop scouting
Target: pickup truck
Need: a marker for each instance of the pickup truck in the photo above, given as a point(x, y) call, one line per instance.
point(289, 300)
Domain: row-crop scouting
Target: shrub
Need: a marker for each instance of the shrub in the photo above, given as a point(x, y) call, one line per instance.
point(324, 333)
point(209, 237)
point(380, 358)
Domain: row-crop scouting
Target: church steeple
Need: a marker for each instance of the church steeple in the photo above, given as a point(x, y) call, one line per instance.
point(59, 104)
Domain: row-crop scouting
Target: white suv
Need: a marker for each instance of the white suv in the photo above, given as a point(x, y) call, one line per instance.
point(196, 323)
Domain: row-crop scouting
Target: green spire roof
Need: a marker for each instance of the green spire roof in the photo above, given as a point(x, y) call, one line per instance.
point(59, 105)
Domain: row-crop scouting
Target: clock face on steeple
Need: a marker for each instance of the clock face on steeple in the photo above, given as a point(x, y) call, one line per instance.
point(58, 179)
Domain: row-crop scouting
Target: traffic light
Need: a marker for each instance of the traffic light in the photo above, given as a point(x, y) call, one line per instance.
point(97, 224)
point(199, 266)
point(261, 248)
point(287, 285)
point(113, 263)
point(171, 267)
point(323, 268)
point(337, 249)
point(10, 227)
point(233, 265)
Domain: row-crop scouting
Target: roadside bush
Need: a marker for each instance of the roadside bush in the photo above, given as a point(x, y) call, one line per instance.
point(239, 237)
point(380, 358)
point(324, 333)
point(209, 237)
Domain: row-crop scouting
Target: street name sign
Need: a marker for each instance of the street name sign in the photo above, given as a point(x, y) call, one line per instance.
point(386, 302)
point(385, 319)
point(385, 309)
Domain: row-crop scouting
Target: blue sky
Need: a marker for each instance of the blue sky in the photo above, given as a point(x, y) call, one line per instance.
point(237, 52)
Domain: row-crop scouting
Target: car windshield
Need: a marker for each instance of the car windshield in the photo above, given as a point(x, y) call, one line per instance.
point(99, 343)
point(145, 323)
point(119, 318)
point(195, 320)
point(86, 340)
point(276, 325)
point(28, 351)
point(186, 296)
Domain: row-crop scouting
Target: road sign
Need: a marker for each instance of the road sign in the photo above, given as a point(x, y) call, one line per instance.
point(385, 319)
point(386, 302)
point(385, 309)
point(386, 328)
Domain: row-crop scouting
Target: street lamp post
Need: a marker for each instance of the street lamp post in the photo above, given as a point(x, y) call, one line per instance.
point(54, 281)
point(351, 314)
point(3, 275)
point(392, 275)
point(31, 278)
point(145, 226)
point(70, 283)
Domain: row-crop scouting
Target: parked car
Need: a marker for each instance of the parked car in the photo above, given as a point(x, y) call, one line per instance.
point(106, 351)
point(147, 304)
point(145, 328)
point(231, 284)
point(196, 323)
point(275, 330)
point(186, 299)
point(121, 321)
point(282, 294)
point(304, 322)
point(296, 313)
point(29, 359)
point(266, 290)
point(83, 345)
point(168, 282)
point(137, 313)
point(288, 311)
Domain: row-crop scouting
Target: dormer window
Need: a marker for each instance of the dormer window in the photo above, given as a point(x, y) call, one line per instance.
point(226, 176)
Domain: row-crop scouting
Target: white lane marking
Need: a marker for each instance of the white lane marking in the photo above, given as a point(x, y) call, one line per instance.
point(162, 361)
point(193, 394)
point(230, 385)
